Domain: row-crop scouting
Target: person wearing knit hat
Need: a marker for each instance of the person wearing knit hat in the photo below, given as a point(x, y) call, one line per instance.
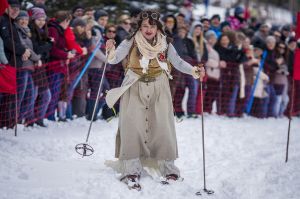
point(14, 3)
point(225, 26)
point(78, 22)
point(23, 14)
point(100, 13)
point(101, 17)
point(77, 11)
point(38, 13)
point(215, 24)
point(209, 34)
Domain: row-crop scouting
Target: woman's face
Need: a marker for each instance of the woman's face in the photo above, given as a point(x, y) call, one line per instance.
point(224, 41)
point(198, 31)
point(212, 40)
point(148, 31)
point(40, 22)
point(271, 45)
point(170, 22)
point(80, 29)
point(23, 22)
point(281, 48)
point(111, 33)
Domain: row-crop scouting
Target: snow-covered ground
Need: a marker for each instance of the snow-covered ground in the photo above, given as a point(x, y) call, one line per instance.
point(245, 160)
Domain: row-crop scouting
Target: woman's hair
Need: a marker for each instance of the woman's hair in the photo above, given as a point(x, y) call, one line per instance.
point(149, 14)
point(108, 26)
point(277, 51)
point(41, 35)
point(220, 38)
point(62, 15)
point(198, 41)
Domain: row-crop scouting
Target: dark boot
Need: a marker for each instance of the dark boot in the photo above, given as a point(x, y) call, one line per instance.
point(40, 123)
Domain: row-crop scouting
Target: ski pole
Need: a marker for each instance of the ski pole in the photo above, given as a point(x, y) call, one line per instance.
point(203, 147)
point(83, 148)
point(261, 65)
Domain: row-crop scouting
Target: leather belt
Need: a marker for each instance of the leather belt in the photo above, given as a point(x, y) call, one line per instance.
point(146, 79)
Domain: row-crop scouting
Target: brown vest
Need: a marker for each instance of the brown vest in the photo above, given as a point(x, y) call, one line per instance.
point(133, 63)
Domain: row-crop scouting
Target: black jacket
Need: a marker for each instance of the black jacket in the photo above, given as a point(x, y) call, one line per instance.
point(8, 42)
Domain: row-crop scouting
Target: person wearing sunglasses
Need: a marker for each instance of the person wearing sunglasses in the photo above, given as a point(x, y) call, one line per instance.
point(146, 135)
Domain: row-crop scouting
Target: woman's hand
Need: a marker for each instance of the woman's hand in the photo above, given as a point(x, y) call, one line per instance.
point(223, 64)
point(198, 72)
point(110, 44)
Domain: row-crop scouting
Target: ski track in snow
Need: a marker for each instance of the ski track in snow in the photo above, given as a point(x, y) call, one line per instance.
point(244, 160)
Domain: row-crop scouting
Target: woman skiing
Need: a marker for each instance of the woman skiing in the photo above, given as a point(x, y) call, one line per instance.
point(146, 134)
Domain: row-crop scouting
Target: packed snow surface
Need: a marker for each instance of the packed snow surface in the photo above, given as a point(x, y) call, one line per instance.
point(245, 159)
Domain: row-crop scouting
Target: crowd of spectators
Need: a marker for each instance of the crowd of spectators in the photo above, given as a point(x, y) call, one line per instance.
point(46, 50)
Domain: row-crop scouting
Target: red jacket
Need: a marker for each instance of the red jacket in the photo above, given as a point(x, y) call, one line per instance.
point(71, 41)
point(59, 51)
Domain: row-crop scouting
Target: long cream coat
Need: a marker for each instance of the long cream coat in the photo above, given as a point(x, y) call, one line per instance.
point(146, 122)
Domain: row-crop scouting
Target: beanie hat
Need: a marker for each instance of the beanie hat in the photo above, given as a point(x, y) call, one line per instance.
point(224, 23)
point(78, 22)
point(209, 34)
point(238, 10)
point(77, 7)
point(100, 13)
point(38, 13)
point(22, 14)
point(14, 3)
point(216, 16)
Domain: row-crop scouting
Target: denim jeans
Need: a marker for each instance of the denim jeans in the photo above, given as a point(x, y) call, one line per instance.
point(25, 105)
point(55, 83)
point(232, 100)
point(281, 102)
point(193, 86)
point(42, 100)
point(271, 100)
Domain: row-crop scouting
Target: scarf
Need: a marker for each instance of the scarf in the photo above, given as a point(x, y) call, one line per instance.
point(150, 52)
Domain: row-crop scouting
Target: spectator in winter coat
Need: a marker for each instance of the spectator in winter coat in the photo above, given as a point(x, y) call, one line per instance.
point(262, 33)
point(196, 35)
point(230, 75)
point(290, 55)
point(96, 68)
point(3, 61)
point(42, 44)
point(123, 28)
point(101, 17)
point(225, 27)
point(57, 70)
point(215, 22)
point(285, 32)
point(170, 25)
point(270, 68)
point(213, 73)
point(186, 49)
point(18, 51)
point(280, 81)
point(24, 75)
point(80, 92)
point(238, 20)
